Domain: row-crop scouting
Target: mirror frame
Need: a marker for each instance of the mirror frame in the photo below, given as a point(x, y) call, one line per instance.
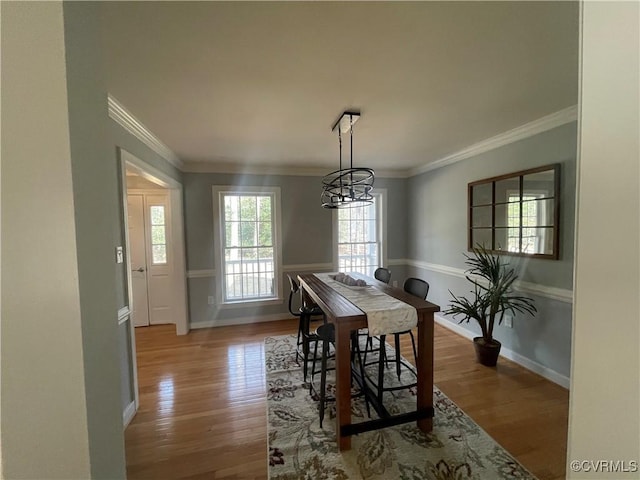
point(555, 242)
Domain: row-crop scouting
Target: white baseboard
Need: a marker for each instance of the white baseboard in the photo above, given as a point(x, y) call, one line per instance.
point(241, 320)
point(525, 362)
point(129, 413)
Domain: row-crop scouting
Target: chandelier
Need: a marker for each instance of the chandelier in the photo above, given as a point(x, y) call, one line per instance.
point(348, 187)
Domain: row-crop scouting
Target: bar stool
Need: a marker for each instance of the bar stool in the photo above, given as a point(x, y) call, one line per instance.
point(326, 335)
point(418, 288)
point(305, 314)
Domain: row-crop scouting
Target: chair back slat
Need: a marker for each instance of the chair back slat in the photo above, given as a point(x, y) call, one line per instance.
point(382, 274)
point(416, 287)
point(294, 289)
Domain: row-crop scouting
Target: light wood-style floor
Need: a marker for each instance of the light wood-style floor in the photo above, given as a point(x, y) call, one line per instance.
point(203, 410)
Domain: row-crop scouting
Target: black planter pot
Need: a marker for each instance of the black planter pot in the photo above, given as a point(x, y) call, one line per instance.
point(487, 353)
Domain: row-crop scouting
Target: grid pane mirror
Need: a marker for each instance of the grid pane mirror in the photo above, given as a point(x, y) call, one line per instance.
point(517, 214)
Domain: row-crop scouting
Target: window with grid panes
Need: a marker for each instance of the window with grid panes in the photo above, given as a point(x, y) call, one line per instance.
point(249, 252)
point(158, 235)
point(359, 238)
point(532, 215)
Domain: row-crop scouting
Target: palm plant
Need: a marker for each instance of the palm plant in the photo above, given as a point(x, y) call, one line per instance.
point(493, 294)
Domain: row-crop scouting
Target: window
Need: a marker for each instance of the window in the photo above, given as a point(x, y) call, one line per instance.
point(247, 225)
point(359, 235)
point(517, 213)
point(158, 235)
point(533, 214)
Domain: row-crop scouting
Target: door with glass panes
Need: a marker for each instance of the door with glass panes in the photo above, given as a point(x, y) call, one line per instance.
point(149, 239)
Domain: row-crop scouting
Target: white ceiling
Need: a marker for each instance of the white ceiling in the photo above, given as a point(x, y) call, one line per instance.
point(260, 84)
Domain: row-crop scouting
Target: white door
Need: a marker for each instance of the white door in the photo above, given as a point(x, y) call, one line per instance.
point(159, 261)
point(135, 213)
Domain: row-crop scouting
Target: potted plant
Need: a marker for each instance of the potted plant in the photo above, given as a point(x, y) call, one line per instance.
point(493, 297)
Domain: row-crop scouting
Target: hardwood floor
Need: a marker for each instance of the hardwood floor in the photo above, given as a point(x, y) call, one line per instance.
point(203, 410)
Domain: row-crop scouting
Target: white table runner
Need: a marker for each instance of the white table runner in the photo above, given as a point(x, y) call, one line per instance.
point(385, 314)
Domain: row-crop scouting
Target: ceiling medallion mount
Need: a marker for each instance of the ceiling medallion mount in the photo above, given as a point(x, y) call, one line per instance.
point(347, 187)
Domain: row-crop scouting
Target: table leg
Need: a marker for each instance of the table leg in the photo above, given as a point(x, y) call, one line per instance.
point(343, 384)
point(425, 369)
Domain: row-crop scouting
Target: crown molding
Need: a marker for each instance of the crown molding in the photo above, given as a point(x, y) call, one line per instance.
point(549, 122)
point(243, 169)
point(129, 122)
point(135, 127)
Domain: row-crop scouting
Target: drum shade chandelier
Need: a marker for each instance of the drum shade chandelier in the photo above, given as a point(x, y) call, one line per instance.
point(348, 187)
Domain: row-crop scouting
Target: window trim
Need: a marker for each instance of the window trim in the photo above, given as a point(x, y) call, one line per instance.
point(217, 191)
point(381, 200)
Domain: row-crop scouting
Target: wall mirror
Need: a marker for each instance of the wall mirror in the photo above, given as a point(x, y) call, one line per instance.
point(518, 213)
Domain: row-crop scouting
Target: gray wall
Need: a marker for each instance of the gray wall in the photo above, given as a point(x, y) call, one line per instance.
point(95, 189)
point(306, 232)
point(437, 234)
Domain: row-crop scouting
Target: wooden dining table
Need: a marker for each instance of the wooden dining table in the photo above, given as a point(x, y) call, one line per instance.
point(348, 318)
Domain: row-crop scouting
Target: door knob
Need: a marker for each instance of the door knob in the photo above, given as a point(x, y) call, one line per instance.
point(139, 270)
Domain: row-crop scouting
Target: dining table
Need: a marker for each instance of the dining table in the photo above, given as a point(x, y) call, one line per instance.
point(348, 318)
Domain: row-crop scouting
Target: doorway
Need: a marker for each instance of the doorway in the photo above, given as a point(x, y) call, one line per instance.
point(155, 268)
point(150, 241)
point(156, 273)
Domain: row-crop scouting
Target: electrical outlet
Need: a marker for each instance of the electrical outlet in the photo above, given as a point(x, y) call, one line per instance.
point(395, 283)
point(210, 300)
point(508, 321)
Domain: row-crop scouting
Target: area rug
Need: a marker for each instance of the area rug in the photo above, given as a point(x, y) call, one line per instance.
point(456, 449)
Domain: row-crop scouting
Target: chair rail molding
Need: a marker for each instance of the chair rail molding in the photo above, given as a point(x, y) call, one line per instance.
point(300, 267)
point(307, 267)
point(397, 261)
point(123, 314)
point(119, 114)
point(554, 293)
point(201, 273)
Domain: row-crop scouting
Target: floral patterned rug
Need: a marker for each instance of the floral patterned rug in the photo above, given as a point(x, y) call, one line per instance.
point(456, 449)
